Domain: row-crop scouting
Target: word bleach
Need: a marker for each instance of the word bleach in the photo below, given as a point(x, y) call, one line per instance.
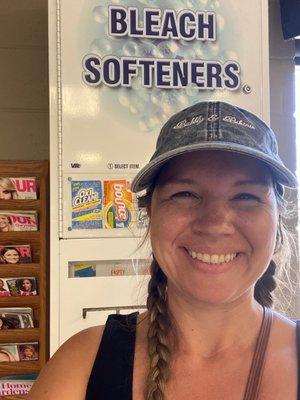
point(185, 25)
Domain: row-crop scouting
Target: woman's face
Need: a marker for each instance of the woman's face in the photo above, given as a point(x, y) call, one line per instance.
point(27, 285)
point(11, 256)
point(5, 194)
point(4, 222)
point(28, 352)
point(213, 225)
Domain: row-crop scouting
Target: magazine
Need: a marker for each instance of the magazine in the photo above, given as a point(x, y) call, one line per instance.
point(20, 286)
point(28, 351)
point(16, 384)
point(10, 352)
point(4, 290)
point(15, 254)
point(16, 318)
point(18, 221)
point(18, 188)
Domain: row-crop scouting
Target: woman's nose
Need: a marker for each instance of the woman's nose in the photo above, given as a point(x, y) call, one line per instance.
point(214, 218)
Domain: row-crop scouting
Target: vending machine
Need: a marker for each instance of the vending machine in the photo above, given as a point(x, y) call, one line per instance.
point(118, 70)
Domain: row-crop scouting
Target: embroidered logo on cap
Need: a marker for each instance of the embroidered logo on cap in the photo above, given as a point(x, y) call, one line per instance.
point(232, 120)
point(194, 121)
point(212, 118)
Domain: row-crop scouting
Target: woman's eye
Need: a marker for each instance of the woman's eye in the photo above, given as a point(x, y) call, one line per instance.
point(247, 196)
point(185, 196)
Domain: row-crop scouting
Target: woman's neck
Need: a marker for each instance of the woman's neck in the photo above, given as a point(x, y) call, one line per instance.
point(208, 330)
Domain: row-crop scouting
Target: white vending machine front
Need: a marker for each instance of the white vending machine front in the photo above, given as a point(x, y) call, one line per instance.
point(96, 280)
point(118, 71)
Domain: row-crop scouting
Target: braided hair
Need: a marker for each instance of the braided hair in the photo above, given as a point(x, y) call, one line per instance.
point(159, 326)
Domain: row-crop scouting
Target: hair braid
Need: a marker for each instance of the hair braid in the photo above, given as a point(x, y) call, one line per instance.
point(159, 326)
point(265, 285)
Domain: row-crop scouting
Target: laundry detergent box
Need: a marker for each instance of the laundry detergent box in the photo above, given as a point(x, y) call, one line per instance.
point(87, 204)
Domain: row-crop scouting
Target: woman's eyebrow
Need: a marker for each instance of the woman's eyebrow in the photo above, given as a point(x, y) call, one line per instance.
point(261, 182)
point(175, 180)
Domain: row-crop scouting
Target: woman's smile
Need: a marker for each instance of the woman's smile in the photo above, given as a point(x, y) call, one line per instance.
point(212, 263)
point(212, 259)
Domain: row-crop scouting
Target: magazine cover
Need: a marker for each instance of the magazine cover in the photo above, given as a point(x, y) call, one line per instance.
point(15, 254)
point(18, 221)
point(19, 352)
point(16, 318)
point(4, 290)
point(18, 188)
point(8, 352)
point(16, 384)
point(86, 204)
point(118, 204)
point(25, 286)
point(28, 351)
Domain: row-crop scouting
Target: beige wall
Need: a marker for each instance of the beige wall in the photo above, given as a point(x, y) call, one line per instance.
point(24, 115)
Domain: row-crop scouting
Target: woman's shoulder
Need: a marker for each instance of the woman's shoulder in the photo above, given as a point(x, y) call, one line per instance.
point(284, 335)
point(279, 383)
point(67, 373)
point(284, 325)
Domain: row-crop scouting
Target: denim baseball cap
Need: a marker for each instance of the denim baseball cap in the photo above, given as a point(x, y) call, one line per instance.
point(215, 125)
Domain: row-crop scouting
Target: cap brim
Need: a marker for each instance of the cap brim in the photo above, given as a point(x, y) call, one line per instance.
point(147, 174)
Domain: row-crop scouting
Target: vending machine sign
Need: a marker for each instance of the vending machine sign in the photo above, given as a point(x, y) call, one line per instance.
point(125, 67)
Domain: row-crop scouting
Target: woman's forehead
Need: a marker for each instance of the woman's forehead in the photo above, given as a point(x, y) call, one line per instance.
point(202, 164)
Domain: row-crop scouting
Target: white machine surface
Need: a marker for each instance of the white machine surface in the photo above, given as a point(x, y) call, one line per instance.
point(115, 77)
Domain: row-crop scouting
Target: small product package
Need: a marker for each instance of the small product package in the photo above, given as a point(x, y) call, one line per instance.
point(86, 204)
point(118, 204)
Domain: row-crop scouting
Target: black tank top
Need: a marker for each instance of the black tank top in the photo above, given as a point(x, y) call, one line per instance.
point(115, 357)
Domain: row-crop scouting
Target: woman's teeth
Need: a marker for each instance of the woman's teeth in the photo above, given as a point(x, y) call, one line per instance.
point(214, 258)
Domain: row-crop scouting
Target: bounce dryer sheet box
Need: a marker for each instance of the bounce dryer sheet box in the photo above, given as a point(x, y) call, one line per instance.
point(86, 204)
point(118, 204)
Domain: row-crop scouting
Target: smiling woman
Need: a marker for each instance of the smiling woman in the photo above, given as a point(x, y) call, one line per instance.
point(213, 191)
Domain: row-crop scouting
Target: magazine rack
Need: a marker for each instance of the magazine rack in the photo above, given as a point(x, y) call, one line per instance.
point(38, 268)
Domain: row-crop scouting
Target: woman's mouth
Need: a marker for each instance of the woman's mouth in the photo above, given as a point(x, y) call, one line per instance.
point(212, 258)
point(212, 263)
